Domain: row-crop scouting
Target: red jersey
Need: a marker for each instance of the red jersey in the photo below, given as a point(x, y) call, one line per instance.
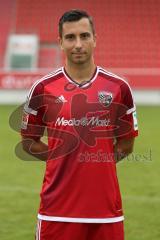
point(82, 122)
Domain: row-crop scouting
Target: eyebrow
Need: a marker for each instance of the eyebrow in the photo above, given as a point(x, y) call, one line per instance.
point(72, 34)
point(68, 35)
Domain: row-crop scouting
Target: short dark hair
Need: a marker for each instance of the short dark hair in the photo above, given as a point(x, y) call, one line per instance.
point(74, 15)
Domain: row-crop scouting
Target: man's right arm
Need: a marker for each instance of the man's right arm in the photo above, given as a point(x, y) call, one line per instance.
point(32, 127)
point(36, 148)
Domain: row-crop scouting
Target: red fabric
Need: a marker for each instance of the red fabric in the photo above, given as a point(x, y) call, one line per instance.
point(47, 230)
point(80, 178)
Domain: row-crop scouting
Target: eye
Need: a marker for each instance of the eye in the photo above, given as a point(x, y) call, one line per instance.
point(85, 35)
point(69, 37)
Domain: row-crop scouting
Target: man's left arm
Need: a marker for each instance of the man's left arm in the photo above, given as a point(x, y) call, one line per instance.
point(123, 147)
point(124, 143)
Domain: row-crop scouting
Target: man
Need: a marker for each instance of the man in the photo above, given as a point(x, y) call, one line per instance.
point(91, 124)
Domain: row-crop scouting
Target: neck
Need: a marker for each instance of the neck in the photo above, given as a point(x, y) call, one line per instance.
point(80, 72)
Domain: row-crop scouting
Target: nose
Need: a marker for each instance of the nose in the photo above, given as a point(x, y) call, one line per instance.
point(78, 44)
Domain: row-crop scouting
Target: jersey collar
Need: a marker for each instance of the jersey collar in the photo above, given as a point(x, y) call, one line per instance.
point(85, 84)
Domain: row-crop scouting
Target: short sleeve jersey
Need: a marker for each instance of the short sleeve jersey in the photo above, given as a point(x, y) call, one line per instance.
point(82, 123)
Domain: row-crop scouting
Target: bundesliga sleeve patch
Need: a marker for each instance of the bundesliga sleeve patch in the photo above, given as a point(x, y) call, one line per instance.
point(135, 122)
point(25, 118)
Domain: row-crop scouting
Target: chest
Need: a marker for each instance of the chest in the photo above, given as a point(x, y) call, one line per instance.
point(68, 101)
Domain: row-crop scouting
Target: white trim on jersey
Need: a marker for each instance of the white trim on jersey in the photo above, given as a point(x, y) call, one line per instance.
point(110, 73)
point(30, 110)
point(29, 96)
point(80, 220)
point(131, 110)
point(116, 76)
point(38, 230)
point(52, 74)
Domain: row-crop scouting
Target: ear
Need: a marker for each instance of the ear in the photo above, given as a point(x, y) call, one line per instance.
point(95, 39)
point(60, 42)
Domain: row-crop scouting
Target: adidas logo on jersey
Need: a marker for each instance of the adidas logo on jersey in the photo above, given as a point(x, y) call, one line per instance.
point(60, 99)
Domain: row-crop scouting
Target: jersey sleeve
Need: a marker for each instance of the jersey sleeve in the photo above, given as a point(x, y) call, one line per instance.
point(129, 118)
point(32, 125)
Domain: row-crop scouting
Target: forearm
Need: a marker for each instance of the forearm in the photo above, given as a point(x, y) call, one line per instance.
point(37, 148)
point(120, 154)
point(123, 148)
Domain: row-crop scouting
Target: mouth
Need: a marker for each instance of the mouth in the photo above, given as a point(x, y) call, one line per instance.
point(78, 53)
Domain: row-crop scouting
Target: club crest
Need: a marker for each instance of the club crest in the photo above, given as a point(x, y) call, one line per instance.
point(105, 98)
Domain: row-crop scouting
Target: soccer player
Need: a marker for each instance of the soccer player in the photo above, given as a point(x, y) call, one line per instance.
point(91, 124)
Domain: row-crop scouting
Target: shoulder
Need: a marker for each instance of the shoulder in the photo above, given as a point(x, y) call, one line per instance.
point(112, 76)
point(50, 76)
point(117, 80)
point(38, 86)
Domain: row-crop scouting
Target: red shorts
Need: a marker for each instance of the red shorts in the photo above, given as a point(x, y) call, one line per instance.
point(49, 230)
